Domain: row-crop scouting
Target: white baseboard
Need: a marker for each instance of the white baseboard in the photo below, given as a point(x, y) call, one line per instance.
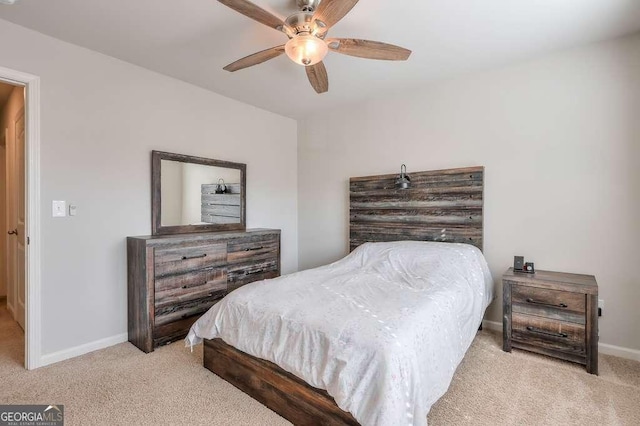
point(603, 348)
point(82, 349)
point(607, 349)
point(492, 325)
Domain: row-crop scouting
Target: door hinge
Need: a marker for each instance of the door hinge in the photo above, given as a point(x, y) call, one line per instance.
point(28, 241)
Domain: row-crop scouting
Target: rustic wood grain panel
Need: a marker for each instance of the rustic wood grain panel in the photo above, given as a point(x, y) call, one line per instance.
point(228, 199)
point(138, 308)
point(221, 210)
point(247, 279)
point(218, 219)
point(192, 285)
point(232, 188)
point(554, 304)
point(279, 390)
point(441, 205)
point(177, 311)
point(172, 331)
point(184, 259)
point(547, 333)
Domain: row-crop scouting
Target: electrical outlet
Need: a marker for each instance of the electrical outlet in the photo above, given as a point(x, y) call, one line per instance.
point(600, 307)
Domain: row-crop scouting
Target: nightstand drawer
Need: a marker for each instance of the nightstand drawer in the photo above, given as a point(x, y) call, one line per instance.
point(548, 333)
point(555, 304)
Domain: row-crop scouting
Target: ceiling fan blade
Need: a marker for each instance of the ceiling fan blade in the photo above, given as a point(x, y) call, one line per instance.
point(318, 78)
point(331, 11)
point(368, 49)
point(252, 11)
point(255, 59)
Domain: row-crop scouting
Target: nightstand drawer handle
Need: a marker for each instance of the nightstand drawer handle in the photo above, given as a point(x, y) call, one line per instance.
point(560, 305)
point(534, 330)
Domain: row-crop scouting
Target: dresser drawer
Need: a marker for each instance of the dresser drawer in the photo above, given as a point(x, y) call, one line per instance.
point(548, 333)
point(239, 275)
point(184, 259)
point(173, 331)
point(251, 249)
point(202, 283)
point(179, 311)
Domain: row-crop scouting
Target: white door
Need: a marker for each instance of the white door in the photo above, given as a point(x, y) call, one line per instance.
point(21, 238)
point(16, 256)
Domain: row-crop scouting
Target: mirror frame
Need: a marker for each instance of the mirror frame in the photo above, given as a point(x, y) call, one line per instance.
point(156, 195)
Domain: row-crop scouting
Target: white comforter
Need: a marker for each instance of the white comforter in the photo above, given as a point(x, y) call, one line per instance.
point(381, 330)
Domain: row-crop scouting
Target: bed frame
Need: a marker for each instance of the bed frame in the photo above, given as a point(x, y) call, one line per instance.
point(442, 205)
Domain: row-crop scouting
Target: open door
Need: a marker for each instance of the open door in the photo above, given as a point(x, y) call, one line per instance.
point(21, 238)
point(16, 244)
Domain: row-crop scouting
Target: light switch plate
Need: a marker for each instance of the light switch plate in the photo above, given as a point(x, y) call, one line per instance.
point(73, 210)
point(58, 208)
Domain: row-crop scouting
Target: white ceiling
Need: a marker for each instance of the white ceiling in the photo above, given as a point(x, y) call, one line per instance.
point(192, 40)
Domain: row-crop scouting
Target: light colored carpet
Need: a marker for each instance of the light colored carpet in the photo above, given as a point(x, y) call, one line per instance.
point(121, 385)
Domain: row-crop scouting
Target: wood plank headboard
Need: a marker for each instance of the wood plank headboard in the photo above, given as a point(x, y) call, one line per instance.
point(441, 205)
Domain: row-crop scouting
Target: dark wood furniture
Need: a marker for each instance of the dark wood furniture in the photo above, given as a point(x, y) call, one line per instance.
point(552, 313)
point(157, 157)
point(283, 392)
point(172, 280)
point(443, 205)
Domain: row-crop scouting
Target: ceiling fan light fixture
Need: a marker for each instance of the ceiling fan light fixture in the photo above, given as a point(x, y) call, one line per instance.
point(306, 49)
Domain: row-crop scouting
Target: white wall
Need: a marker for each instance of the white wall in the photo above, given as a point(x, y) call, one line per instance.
point(101, 118)
point(560, 140)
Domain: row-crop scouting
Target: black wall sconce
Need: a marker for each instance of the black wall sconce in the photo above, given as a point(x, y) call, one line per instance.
point(404, 181)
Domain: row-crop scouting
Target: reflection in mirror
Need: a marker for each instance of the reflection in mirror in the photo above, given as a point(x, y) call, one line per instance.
point(198, 194)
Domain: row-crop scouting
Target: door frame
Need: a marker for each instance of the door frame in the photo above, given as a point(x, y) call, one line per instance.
point(33, 322)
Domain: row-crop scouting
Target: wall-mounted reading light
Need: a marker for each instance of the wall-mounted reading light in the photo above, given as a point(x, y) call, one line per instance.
point(404, 181)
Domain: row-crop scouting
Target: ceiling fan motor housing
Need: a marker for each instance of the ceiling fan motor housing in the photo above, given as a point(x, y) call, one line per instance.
point(307, 5)
point(300, 22)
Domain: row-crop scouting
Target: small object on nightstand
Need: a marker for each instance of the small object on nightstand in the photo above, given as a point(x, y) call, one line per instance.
point(552, 313)
point(518, 263)
point(520, 266)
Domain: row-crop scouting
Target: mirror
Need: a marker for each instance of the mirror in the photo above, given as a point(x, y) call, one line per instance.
point(194, 194)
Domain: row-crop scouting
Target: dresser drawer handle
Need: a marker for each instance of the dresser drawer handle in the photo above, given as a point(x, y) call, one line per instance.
point(194, 257)
point(559, 305)
point(195, 285)
point(253, 249)
point(252, 272)
point(546, 333)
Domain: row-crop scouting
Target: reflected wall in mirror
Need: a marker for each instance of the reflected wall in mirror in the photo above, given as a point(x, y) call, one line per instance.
point(195, 194)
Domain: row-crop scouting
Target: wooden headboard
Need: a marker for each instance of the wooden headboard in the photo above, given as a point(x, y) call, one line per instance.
point(441, 205)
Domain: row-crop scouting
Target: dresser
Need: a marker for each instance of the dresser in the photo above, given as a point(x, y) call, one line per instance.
point(172, 280)
point(552, 313)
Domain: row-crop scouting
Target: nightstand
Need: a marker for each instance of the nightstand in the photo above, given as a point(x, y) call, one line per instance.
point(552, 313)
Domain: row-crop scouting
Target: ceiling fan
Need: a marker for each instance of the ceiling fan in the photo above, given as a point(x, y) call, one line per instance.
point(307, 31)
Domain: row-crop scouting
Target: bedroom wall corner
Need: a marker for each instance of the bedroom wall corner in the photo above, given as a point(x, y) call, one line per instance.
point(559, 139)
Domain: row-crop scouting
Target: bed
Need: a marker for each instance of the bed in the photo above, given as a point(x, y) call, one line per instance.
point(375, 337)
